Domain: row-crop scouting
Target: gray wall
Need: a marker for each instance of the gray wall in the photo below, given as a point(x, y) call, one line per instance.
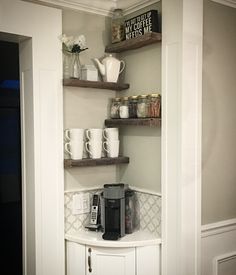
point(142, 144)
point(85, 108)
point(219, 113)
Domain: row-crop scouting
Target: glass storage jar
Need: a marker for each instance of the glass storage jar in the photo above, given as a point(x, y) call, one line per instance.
point(124, 107)
point(142, 106)
point(133, 100)
point(115, 107)
point(117, 26)
point(154, 105)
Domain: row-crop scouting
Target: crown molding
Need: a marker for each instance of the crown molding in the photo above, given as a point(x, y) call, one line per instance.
point(137, 5)
point(229, 3)
point(100, 7)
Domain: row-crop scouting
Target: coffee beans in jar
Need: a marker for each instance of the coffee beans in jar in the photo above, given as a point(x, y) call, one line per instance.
point(133, 101)
point(154, 105)
point(115, 107)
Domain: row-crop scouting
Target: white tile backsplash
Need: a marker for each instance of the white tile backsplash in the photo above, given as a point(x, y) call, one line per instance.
point(147, 213)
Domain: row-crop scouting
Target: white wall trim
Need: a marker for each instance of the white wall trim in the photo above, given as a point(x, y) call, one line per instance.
point(99, 7)
point(222, 258)
point(42, 132)
point(218, 245)
point(218, 227)
point(229, 3)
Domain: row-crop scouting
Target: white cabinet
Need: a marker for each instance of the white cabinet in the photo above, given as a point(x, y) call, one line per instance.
point(107, 261)
point(94, 260)
point(75, 258)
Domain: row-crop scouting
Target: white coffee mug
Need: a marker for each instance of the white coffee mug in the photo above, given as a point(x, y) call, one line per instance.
point(112, 148)
point(94, 134)
point(111, 133)
point(75, 149)
point(94, 148)
point(74, 134)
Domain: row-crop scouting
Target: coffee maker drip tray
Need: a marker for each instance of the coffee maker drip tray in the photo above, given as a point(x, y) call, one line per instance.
point(112, 236)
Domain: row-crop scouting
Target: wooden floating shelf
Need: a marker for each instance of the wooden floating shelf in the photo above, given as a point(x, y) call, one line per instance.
point(95, 84)
point(68, 163)
point(151, 122)
point(134, 43)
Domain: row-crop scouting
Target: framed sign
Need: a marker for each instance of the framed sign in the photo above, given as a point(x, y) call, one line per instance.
point(141, 24)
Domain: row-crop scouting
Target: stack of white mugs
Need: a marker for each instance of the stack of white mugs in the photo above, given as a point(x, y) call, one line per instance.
point(93, 141)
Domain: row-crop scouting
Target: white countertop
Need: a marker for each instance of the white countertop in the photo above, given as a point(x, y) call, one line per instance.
point(138, 238)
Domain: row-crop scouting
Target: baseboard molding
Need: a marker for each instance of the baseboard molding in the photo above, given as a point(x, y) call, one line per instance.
point(218, 227)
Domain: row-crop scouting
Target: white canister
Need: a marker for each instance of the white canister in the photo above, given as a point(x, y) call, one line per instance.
point(124, 108)
point(89, 72)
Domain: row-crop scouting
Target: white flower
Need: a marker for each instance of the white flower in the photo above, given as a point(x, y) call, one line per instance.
point(67, 40)
point(81, 41)
point(73, 45)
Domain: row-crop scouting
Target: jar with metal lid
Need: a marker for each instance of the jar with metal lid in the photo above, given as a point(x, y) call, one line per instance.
point(115, 107)
point(142, 106)
point(117, 26)
point(154, 105)
point(124, 107)
point(133, 100)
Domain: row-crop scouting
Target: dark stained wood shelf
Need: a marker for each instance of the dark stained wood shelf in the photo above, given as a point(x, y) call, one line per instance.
point(68, 163)
point(151, 122)
point(95, 84)
point(134, 43)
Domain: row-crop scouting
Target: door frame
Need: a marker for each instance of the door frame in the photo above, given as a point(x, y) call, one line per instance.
point(42, 132)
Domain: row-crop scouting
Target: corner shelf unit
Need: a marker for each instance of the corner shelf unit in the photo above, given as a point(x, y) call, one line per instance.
point(151, 122)
point(74, 82)
point(134, 43)
point(69, 163)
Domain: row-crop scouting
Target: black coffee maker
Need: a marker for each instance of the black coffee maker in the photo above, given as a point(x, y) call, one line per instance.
point(113, 211)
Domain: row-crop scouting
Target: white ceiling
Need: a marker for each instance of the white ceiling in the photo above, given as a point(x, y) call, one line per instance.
point(103, 7)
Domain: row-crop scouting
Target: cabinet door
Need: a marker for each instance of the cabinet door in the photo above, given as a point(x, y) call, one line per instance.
point(148, 260)
point(110, 261)
point(75, 258)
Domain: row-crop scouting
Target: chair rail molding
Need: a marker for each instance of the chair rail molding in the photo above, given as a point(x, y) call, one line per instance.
point(218, 227)
point(229, 3)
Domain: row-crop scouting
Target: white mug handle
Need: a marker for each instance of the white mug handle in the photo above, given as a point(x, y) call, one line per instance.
point(87, 149)
point(67, 146)
point(104, 133)
point(122, 69)
point(104, 147)
point(88, 134)
point(67, 134)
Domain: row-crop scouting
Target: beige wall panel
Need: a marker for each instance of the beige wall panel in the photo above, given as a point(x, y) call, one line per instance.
point(219, 113)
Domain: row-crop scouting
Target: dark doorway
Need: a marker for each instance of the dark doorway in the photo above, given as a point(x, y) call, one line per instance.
point(10, 161)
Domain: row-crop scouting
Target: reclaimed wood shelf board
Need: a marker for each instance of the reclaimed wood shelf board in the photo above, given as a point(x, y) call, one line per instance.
point(134, 43)
point(151, 122)
point(73, 82)
point(68, 163)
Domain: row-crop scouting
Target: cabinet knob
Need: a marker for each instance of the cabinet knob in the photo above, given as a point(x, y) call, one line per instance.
point(89, 260)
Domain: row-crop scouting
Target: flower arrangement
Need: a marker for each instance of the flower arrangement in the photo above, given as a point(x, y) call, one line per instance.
point(73, 45)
